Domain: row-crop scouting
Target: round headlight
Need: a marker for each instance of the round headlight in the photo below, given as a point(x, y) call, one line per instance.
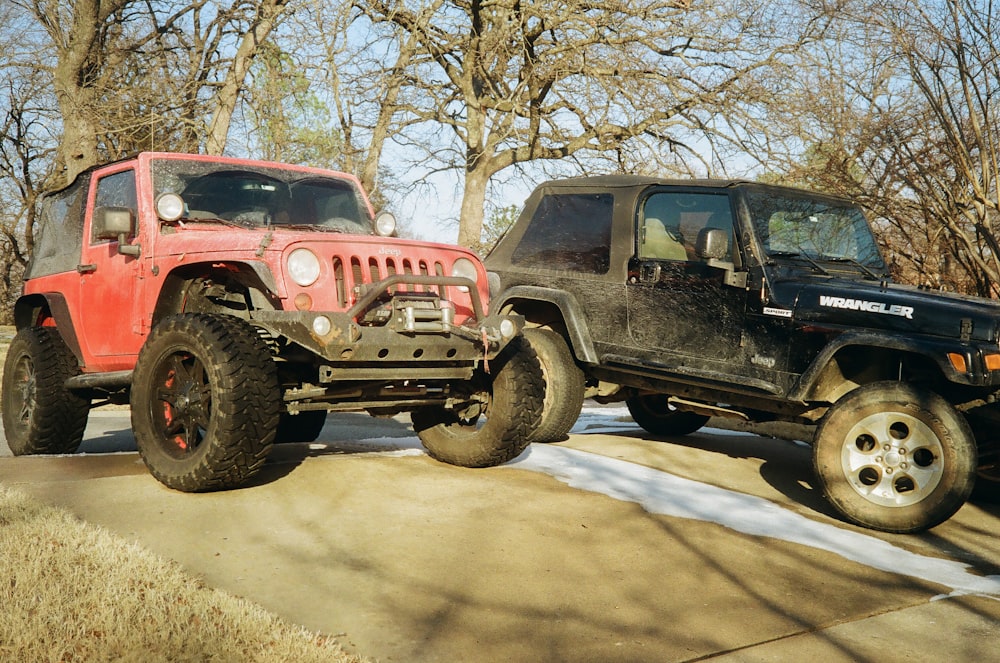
point(385, 224)
point(303, 267)
point(465, 268)
point(169, 206)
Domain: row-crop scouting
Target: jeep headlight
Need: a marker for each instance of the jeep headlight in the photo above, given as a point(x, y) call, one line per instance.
point(303, 267)
point(465, 268)
point(169, 206)
point(385, 224)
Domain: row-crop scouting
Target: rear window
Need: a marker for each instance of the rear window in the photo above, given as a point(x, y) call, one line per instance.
point(569, 232)
point(59, 236)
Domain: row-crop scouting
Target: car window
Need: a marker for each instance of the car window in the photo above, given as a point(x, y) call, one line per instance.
point(569, 232)
point(670, 223)
point(117, 190)
point(59, 235)
point(820, 229)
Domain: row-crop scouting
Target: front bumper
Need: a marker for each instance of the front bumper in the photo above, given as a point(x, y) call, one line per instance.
point(415, 340)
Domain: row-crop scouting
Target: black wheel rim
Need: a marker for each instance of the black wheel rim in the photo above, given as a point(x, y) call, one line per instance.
point(24, 389)
point(182, 403)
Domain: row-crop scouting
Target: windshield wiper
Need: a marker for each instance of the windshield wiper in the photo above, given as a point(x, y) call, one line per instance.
point(794, 254)
point(852, 261)
point(207, 219)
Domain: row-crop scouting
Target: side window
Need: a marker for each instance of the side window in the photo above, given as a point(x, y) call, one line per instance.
point(117, 190)
point(59, 236)
point(670, 224)
point(569, 232)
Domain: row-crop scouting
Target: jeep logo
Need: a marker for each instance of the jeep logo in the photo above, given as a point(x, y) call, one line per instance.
point(864, 305)
point(383, 251)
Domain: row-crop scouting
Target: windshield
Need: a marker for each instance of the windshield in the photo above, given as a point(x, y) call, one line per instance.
point(817, 229)
point(260, 196)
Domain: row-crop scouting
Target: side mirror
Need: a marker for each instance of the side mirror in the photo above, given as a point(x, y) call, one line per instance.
point(115, 223)
point(712, 244)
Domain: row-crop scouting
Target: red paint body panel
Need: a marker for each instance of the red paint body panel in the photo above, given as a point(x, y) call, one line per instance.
point(112, 297)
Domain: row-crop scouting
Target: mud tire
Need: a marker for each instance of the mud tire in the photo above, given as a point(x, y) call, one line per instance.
point(654, 414)
point(40, 415)
point(564, 385)
point(513, 393)
point(896, 458)
point(205, 402)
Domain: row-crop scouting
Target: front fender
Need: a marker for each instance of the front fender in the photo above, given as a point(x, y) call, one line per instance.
point(934, 350)
point(520, 297)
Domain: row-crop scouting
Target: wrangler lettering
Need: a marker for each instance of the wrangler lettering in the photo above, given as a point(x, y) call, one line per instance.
point(867, 306)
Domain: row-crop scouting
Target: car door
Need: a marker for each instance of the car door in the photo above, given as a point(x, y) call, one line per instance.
point(108, 279)
point(682, 312)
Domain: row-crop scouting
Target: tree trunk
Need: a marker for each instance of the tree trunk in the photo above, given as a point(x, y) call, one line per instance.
point(229, 95)
point(470, 224)
point(77, 50)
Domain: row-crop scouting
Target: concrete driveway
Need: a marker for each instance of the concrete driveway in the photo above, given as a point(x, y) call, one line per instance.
point(611, 546)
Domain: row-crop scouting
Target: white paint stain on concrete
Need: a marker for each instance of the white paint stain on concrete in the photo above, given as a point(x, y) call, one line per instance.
point(666, 494)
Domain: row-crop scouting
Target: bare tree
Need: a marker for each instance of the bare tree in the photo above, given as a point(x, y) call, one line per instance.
point(518, 81)
point(24, 158)
point(129, 74)
point(259, 25)
point(950, 154)
point(84, 81)
point(898, 109)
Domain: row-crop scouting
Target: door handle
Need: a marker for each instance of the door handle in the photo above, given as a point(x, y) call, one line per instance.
point(86, 269)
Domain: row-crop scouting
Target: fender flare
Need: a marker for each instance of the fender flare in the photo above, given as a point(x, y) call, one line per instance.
point(934, 352)
point(581, 343)
point(26, 313)
point(167, 301)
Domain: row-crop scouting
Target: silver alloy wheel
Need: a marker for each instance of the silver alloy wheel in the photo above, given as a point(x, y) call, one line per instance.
point(892, 459)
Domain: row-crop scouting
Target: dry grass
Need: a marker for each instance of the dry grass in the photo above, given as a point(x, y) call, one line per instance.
point(72, 592)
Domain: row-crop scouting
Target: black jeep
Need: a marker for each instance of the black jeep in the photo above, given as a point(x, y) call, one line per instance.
point(690, 299)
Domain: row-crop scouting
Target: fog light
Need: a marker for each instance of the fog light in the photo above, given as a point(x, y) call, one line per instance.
point(322, 325)
point(507, 328)
point(169, 206)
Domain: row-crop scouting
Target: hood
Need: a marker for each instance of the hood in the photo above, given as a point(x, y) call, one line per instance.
point(885, 306)
point(209, 237)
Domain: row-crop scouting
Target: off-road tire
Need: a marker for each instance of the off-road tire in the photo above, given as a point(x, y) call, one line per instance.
point(985, 423)
point(514, 391)
point(654, 414)
point(205, 402)
point(40, 415)
point(305, 426)
point(894, 457)
point(564, 385)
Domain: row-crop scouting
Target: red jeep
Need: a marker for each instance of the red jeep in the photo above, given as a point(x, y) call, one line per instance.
point(234, 303)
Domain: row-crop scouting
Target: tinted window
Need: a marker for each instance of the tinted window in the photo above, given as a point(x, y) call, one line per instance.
point(328, 203)
point(257, 195)
point(59, 235)
point(569, 232)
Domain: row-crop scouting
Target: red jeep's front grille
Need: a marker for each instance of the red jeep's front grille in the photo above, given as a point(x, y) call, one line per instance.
point(353, 271)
